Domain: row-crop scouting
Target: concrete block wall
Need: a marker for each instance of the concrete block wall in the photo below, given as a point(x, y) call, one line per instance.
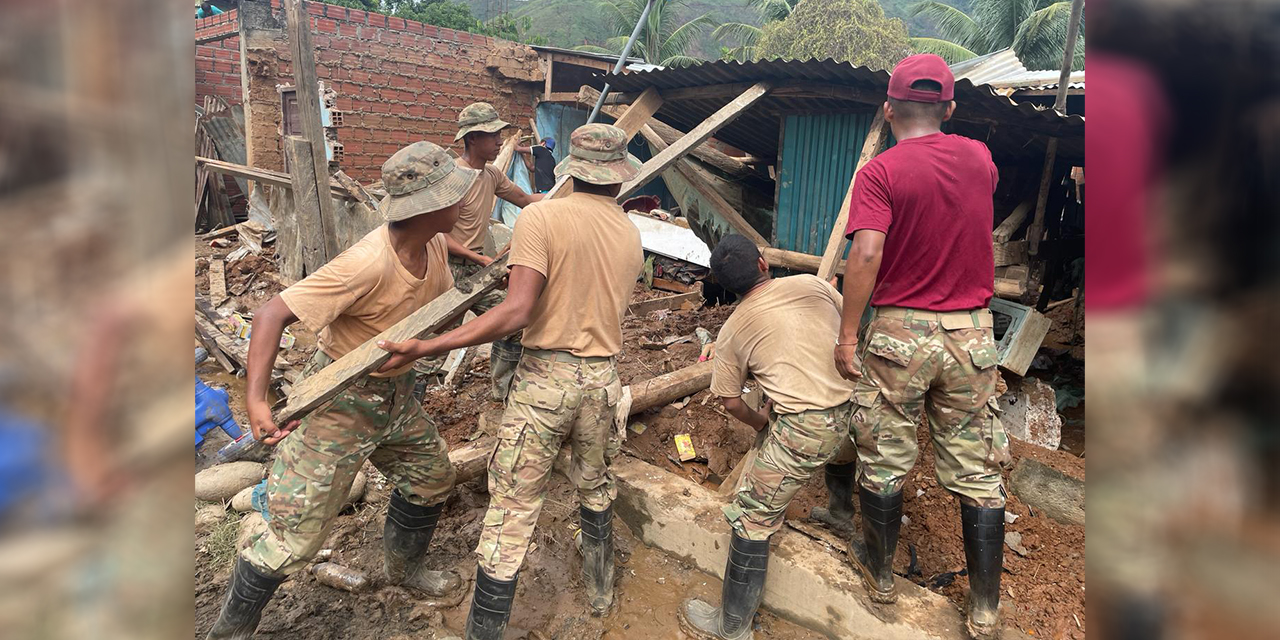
point(396, 81)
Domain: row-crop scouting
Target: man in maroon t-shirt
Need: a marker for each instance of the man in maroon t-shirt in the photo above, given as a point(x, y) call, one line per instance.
point(920, 222)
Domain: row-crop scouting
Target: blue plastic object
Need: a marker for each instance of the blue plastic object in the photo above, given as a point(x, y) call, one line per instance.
point(213, 412)
point(22, 452)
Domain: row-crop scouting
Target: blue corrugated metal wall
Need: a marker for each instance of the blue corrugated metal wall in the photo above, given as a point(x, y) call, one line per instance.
point(819, 153)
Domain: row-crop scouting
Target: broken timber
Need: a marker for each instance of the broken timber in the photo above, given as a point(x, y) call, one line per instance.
point(697, 136)
point(263, 176)
point(320, 387)
point(306, 84)
point(670, 387)
point(877, 138)
point(306, 214)
point(646, 307)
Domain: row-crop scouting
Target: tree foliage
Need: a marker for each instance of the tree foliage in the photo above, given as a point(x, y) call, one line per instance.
point(663, 39)
point(746, 34)
point(450, 15)
point(855, 31)
point(1035, 29)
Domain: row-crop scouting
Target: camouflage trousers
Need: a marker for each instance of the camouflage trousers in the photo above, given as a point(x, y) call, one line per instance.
point(374, 419)
point(798, 444)
point(945, 365)
point(554, 396)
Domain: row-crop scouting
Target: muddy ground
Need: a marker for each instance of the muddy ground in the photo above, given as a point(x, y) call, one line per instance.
point(1044, 592)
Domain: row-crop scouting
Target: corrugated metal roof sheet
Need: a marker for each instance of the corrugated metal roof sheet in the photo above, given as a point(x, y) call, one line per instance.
point(827, 86)
point(608, 57)
point(1003, 70)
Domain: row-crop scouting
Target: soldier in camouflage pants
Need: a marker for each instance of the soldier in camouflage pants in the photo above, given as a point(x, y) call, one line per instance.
point(554, 396)
point(797, 446)
point(374, 419)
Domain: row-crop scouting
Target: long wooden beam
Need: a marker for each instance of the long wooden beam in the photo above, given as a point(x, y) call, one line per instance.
point(697, 136)
point(706, 191)
point(322, 386)
point(262, 176)
point(306, 83)
point(877, 138)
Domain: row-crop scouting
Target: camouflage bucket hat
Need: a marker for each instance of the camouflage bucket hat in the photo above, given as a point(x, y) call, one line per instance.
point(598, 154)
point(479, 116)
point(422, 178)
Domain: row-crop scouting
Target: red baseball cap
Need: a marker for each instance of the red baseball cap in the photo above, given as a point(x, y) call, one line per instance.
point(922, 66)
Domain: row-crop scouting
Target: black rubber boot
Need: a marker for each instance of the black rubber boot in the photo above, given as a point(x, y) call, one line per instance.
point(838, 514)
point(873, 555)
point(490, 607)
point(744, 575)
point(248, 593)
point(405, 537)
point(984, 557)
point(597, 557)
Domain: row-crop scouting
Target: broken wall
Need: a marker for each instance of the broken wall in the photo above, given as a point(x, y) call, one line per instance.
point(397, 81)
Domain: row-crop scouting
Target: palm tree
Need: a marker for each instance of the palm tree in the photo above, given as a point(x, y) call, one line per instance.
point(1035, 29)
point(747, 35)
point(662, 41)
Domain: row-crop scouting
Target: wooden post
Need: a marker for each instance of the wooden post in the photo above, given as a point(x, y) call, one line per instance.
point(307, 203)
point(877, 139)
point(697, 136)
point(1060, 106)
point(306, 84)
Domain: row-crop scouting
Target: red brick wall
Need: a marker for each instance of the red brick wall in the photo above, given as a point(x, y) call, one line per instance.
point(218, 62)
point(396, 82)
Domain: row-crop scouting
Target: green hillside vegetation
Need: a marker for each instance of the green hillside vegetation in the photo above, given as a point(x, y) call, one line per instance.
point(570, 23)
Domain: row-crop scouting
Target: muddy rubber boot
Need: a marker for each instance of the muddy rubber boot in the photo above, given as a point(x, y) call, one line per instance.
point(984, 557)
point(597, 557)
point(490, 607)
point(248, 593)
point(405, 537)
point(873, 555)
point(838, 514)
point(744, 575)
point(504, 355)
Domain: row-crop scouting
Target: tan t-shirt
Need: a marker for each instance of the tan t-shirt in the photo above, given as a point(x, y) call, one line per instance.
point(477, 207)
point(784, 336)
point(366, 290)
point(590, 253)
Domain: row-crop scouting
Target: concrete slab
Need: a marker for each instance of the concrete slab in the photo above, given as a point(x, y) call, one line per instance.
point(809, 583)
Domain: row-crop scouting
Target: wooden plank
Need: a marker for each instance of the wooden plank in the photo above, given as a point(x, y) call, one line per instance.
point(506, 153)
point(355, 191)
point(1009, 226)
point(697, 136)
point(307, 206)
point(217, 281)
point(262, 176)
point(646, 307)
point(672, 286)
point(706, 191)
point(670, 387)
point(317, 389)
point(306, 84)
point(634, 117)
point(1007, 253)
point(1010, 289)
point(533, 126)
point(877, 139)
point(561, 97)
point(210, 344)
point(1042, 198)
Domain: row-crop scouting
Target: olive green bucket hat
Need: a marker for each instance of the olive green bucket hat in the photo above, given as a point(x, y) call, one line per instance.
point(598, 154)
point(422, 178)
point(479, 116)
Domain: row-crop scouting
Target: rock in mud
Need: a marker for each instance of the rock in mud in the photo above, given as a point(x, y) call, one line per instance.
point(1058, 495)
point(220, 483)
point(207, 516)
point(243, 501)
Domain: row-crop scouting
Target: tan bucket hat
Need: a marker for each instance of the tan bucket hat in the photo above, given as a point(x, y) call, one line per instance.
point(422, 178)
point(479, 116)
point(598, 154)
